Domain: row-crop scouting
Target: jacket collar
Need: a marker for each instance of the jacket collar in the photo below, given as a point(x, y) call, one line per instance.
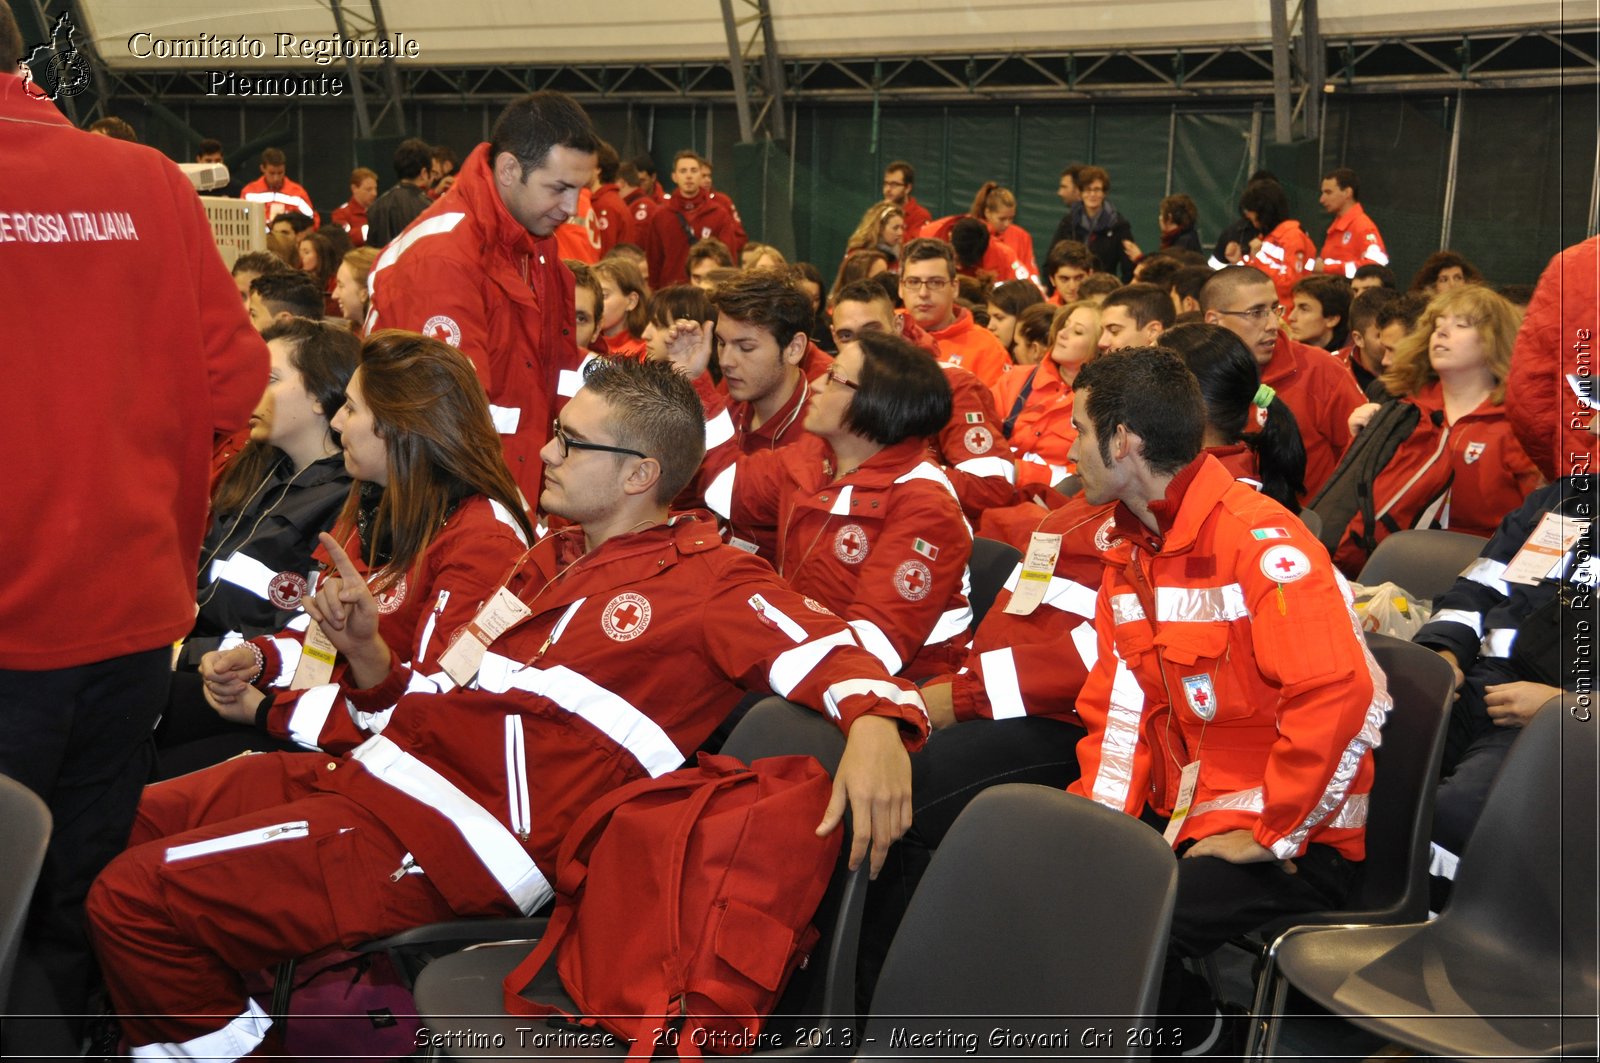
point(18, 103)
point(1189, 500)
point(475, 191)
point(622, 560)
point(886, 466)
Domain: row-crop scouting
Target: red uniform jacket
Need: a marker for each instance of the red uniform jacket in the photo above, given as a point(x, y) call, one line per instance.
point(971, 346)
point(1321, 394)
point(111, 413)
point(352, 218)
point(885, 547)
point(1000, 261)
point(1353, 241)
point(1557, 337)
point(579, 237)
point(291, 197)
point(642, 208)
point(727, 440)
point(1021, 245)
point(1230, 640)
point(916, 215)
point(628, 661)
point(467, 273)
point(625, 345)
point(1285, 256)
point(1042, 433)
point(612, 218)
point(680, 222)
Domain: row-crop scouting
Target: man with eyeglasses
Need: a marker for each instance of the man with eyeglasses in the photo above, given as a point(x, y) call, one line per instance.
point(928, 290)
point(899, 178)
point(1313, 384)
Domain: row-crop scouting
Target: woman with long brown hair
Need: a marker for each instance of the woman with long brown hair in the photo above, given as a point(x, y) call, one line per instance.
point(434, 524)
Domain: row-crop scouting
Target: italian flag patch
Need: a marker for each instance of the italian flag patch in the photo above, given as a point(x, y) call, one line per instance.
point(925, 548)
point(1269, 533)
point(975, 418)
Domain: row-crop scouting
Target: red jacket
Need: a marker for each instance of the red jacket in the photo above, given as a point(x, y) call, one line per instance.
point(916, 215)
point(352, 218)
point(1321, 394)
point(1558, 336)
point(579, 237)
point(625, 345)
point(971, 346)
point(885, 547)
point(1001, 260)
point(1353, 241)
point(291, 197)
point(1230, 640)
point(111, 407)
point(727, 439)
point(628, 662)
point(680, 222)
point(1042, 433)
point(612, 218)
point(642, 208)
point(1285, 256)
point(1016, 238)
point(466, 272)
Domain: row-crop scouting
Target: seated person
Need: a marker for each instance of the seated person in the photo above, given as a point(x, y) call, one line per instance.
point(276, 297)
point(588, 298)
point(1134, 315)
point(1226, 646)
point(1035, 404)
point(445, 791)
point(867, 524)
point(1320, 311)
point(928, 289)
point(1366, 343)
point(625, 313)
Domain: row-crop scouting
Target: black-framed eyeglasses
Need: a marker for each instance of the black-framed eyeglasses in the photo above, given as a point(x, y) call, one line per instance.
point(568, 444)
point(834, 378)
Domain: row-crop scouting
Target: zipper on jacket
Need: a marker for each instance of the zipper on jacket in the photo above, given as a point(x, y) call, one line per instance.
point(1444, 443)
point(408, 866)
point(519, 813)
point(242, 840)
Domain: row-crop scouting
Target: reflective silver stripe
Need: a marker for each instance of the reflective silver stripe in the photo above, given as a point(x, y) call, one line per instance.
point(372, 722)
point(439, 223)
point(1460, 616)
point(1000, 683)
point(1272, 252)
point(932, 473)
point(237, 1039)
point(605, 710)
point(791, 667)
point(506, 418)
point(875, 642)
point(719, 430)
point(1069, 596)
point(1350, 270)
point(951, 623)
point(242, 570)
point(1125, 608)
point(1200, 604)
point(1441, 862)
point(719, 495)
point(841, 502)
point(1120, 741)
point(518, 810)
point(1087, 644)
point(288, 661)
point(1487, 573)
point(1351, 814)
point(1376, 253)
point(281, 197)
point(778, 617)
point(1250, 800)
point(495, 846)
point(1498, 642)
point(246, 839)
point(872, 688)
point(988, 466)
point(310, 714)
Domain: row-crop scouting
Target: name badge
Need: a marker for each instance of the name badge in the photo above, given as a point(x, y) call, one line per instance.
point(1541, 555)
point(464, 656)
point(316, 660)
point(1038, 568)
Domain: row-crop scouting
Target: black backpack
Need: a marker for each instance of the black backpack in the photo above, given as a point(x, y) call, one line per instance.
point(1349, 490)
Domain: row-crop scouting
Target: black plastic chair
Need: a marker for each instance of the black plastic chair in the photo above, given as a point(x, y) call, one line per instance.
point(1425, 561)
point(24, 834)
point(819, 998)
point(1508, 968)
point(990, 566)
point(1393, 884)
point(1042, 915)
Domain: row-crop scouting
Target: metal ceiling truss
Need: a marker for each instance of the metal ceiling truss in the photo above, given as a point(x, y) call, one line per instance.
point(1521, 57)
point(381, 90)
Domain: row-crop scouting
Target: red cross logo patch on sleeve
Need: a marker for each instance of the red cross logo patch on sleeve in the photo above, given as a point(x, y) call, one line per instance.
point(850, 545)
point(626, 616)
point(913, 580)
point(1200, 694)
point(1285, 564)
point(442, 328)
point(978, 440)
point(393, 598)
point(286, 590)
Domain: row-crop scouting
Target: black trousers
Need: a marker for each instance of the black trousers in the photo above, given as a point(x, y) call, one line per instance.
point(80, 738)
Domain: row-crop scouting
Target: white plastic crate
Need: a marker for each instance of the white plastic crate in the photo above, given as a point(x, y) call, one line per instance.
point(238, 225)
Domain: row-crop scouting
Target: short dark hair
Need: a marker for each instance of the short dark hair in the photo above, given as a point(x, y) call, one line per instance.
point(534, 124)
point(1101, 284)
point(1015, 296)
point(112, 126)
point(644, 164)
point(1088, 175)
point(1346, 179)
point(1068, 253)
point(1180, 210)
point(1226, 282)
point(412, 157)
point(1405, 308)
point(297, 221)
point(584, 279)
point(606, 162)
point(1333, 293)
point(863, 291)
point(209, 146)
point(444, 153)
point(926, 248)
point(1384, 274)
point(11, 46)
point(1153, 394)
point(1145, 302)
point(654, 410)
point(1157, 268)
point(679, 301)
point(712, 248)
point(1072, 171)
point(1188, 281)
point(905, 169)
point(768, 299)
point(970, 239)
point(1440, 261)
point(273, 157)
point(1366, 308)
point(289, 290)
point(259, 262)
point(902, 393)
point(1269, 202)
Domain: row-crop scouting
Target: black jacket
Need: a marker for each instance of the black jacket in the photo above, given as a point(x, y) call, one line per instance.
point(391, 212)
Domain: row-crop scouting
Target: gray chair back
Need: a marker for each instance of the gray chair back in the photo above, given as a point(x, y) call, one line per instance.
point(992, 562)
point(1425, 561)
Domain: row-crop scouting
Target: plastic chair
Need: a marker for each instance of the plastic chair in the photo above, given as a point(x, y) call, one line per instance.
point(1425, 561)
point(1313, 522)
point(819, 998)
point(1508, 968)
point(1393, 884)
point(991, 564)
point(24, 834)
point(1042, 915)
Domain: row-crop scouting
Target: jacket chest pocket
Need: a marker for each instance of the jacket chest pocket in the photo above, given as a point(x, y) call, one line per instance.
point(1194, 659)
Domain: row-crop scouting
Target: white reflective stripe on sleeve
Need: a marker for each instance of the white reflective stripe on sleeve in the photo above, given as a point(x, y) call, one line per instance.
point(875, 642)
point(1069, 596)
point(1497, 642)
point(503, 515)
point(781, 620)
point(1056, 471)
point(239, 1038)
point(1000, 683)
point(951, 623)
point(310, 714)
point(603, 709)
point(1200, 604)
point(372, 722)
point(1272, 252)
point(718, 430)
point(1120, 742)
point(289, 660)
point(1216, 263)
point(1088, 646)
point(873, 688)
point(506, 418)
point(242, 570)
point(841, 503)
point(1377, 254)
point(791, 667)
point(989, 466)
point(439, 223)
point(719, 495)
point(1349, 271)
point(1125, 608)
point(926, 470)
point(1487, 573)
point(1351, 814)
point(1460, 616)
point(495, 846)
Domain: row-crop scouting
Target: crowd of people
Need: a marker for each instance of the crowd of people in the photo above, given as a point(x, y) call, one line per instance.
point(523, 487)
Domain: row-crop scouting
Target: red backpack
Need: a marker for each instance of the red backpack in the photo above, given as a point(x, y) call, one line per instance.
point(684, 903)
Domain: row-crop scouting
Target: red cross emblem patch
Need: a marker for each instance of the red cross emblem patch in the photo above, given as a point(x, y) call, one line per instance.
point(286, 589)
point(1202, 697)
point(978, 440)
point(442, 328)
point(850, 545)
point(626, 616)
point(393, 598)
point(913, 580)
point(1285, 564)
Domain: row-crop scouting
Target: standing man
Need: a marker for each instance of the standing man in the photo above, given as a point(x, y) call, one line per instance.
point(399, 206)
point(110, 518)
point(352, 217)
point(480, 270)
point(899, 178)
point(1353, 240)
point(692, 213)
point(274, 189)
point(634, 188)
point(613, 219)
point(1070, 197)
